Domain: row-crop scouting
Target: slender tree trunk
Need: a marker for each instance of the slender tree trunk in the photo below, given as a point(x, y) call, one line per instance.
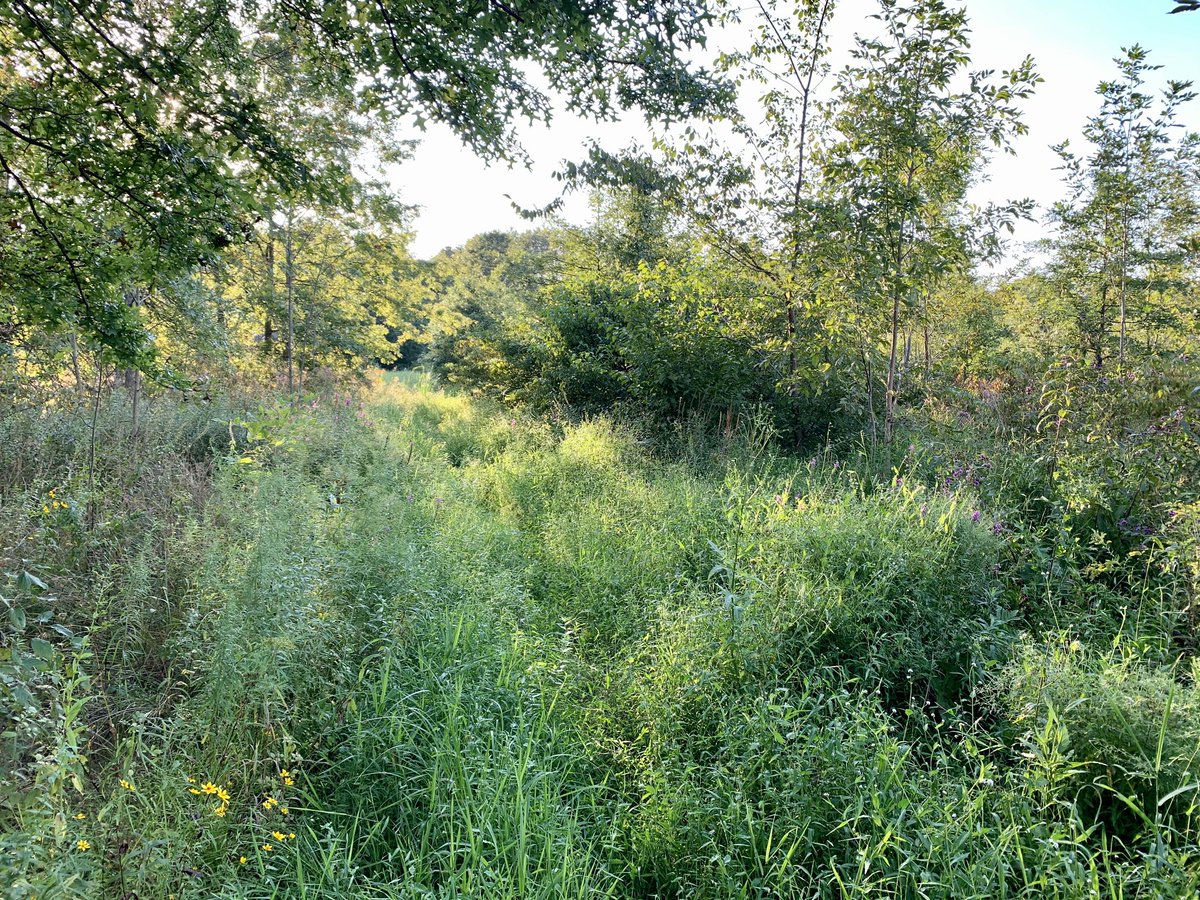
point(289, 277)
point(268, 328)
point(79, 386)
point(1102, 331)
point(1125, 203)
point(92, 507)
point(130, 377)
point(812, 63)
point(1124, 283)
point(889, 399)
point(301, 348)
point(869, 377)
point(135, 396)
point(791, 339)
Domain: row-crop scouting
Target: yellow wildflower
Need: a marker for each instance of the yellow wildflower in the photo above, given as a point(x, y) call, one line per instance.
point(46, 509)
point(268, 847)
point(52, 495)
point(291, 835)
point(209, 788)
point(83, 845)
point(125, 784)
point(80, 816)
point(223, 795)
point(241, 861)
point(270, 803)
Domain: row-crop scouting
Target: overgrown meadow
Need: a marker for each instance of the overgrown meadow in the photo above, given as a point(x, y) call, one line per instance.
point(405, 644)
point(784, 530)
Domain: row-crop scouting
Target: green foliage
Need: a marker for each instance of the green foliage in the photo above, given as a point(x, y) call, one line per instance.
point(140, 143)
point(1128, 228)
point(586, 628)
point(467, 655)
point(625, 314)
point(1131, 726)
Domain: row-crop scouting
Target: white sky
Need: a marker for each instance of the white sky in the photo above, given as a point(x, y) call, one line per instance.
point(1072, 41)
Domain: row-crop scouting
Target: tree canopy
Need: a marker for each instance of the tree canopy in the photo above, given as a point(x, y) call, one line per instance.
point(137, 139)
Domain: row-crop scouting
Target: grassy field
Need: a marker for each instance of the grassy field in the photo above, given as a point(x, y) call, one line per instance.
point(405, 645)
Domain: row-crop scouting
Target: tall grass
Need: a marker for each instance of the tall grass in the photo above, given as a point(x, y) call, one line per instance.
point(427, 648)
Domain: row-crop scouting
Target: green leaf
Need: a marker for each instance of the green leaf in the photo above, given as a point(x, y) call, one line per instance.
point(22, 695)
point(28, 580)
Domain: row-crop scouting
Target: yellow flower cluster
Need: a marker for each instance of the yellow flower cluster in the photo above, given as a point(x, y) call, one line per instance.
point(288, 778)
point(54, 504)
point(128, 785)
point(214, 790)
point(280, 837)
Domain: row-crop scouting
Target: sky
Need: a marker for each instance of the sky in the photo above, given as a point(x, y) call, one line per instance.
point(1072, 41)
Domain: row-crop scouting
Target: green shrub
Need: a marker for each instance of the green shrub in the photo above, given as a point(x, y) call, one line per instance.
point(1133, 727)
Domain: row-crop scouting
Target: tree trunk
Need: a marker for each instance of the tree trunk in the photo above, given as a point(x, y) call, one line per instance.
point(130, 377)
point(870, 383)
point(1124, 282)
point(268, 328)
point(289, 280)
point(79, 386)
point(791, 339)
point(813, 62)
point(889, 398)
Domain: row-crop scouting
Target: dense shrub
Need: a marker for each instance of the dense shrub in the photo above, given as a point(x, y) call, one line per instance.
point(1133, 728)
